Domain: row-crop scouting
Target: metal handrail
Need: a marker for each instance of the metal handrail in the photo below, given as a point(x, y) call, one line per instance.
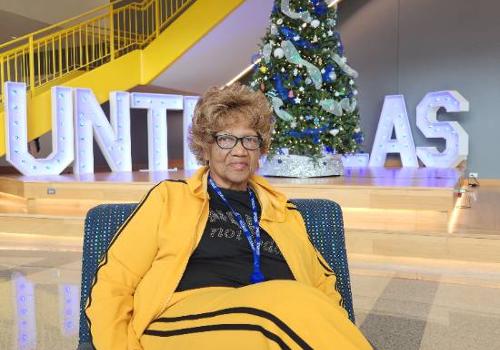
point(84, 42)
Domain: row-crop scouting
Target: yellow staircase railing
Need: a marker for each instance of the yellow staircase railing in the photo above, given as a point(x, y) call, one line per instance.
point(114, 47)
point(46, 57)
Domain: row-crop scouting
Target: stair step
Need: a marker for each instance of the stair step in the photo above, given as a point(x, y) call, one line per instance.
point(27, 241)
point(68, 226)
point(64, 207)
point(438, 270)
point(12, 204)
point(470, 247)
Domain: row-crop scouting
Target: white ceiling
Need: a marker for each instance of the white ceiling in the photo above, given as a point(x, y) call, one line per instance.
point(223, 53)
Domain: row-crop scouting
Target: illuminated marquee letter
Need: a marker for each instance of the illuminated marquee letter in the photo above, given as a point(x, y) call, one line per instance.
point(69, 301)
point(190, 162)
point(157, 105)
point(113, 138)
point(356, 160)
point(24, 308)
point(457, 140)
point(17, 131)
point(393, 117)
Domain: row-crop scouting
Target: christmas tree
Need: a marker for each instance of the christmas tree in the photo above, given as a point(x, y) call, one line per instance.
point(305, 75)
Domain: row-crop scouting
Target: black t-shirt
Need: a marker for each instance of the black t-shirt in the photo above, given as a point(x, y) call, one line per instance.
point(223, 256)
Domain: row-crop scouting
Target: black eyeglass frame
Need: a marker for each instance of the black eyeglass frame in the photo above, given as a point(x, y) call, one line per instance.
point(238, 139)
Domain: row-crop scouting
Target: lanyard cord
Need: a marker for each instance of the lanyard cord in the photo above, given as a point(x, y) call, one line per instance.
point(257, 275)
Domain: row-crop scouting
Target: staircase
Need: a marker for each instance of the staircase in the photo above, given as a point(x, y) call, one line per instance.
point(113, 47)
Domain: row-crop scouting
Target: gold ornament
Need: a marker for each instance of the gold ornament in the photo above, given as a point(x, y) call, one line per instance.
point(263, 69)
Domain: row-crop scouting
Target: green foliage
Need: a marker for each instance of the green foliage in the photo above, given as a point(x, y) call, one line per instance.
point(313, 129)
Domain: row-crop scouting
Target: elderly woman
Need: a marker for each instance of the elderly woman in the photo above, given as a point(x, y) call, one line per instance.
point(222, 260)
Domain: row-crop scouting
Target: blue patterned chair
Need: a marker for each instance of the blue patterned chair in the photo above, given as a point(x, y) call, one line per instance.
point(323, 220)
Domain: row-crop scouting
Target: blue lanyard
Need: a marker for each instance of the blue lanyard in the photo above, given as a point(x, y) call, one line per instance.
point(257, 275)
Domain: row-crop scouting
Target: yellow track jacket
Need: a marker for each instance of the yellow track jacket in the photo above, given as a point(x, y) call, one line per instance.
point(148, 255)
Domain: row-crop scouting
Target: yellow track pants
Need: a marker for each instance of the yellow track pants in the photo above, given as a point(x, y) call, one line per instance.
point(268, 315)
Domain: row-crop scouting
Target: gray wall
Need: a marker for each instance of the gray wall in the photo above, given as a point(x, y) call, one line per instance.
point(412, 47)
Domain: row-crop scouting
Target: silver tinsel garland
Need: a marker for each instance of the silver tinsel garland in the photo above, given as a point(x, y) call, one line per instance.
point(302, 166)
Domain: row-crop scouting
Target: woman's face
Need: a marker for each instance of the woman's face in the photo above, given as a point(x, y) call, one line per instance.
point(231, 168)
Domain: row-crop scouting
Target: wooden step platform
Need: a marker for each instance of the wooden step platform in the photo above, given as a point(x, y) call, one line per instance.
point(373, 188)
point(41, 224)
point(387, 212)
point(378, 198)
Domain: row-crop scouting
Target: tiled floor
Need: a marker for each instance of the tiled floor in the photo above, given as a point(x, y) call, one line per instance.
point(39, 306)
point(405, 314)
point(39, 299)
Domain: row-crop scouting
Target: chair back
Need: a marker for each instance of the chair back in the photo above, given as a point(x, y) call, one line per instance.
point(323, 219)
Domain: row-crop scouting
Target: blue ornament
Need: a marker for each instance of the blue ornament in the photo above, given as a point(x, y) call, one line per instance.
point(312, 132)
point(320, 7)
point(290, 34)
point(297, 80)
point(280, 89)
point(326, 75)
point(358, 137)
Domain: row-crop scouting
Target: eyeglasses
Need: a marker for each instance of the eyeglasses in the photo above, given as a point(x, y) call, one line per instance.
point(228, 141)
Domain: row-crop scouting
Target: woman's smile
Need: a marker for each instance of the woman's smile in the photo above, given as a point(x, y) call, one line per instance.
point(239, 165)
